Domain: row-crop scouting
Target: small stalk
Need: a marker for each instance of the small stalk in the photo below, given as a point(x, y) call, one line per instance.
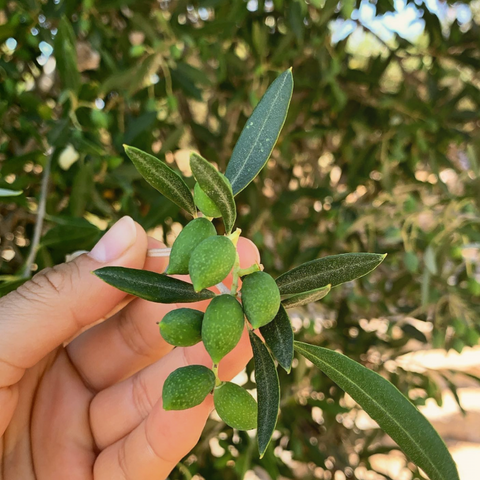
point(222, 288)
point(235, 236)
point(218, 382)
point(247, 271)
point(159, 252)
point(236, 276)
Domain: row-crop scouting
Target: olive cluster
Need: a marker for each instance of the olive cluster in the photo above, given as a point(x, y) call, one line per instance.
point(208, 258)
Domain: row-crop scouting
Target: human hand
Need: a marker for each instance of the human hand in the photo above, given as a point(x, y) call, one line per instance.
point(82, 371)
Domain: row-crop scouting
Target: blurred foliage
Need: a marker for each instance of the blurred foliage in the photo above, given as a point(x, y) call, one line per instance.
point(379, 153)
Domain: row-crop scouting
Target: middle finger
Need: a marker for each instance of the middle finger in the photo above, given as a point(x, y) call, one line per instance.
point(129, 341)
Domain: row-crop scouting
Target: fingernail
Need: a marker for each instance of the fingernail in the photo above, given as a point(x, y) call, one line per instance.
point(116, 241)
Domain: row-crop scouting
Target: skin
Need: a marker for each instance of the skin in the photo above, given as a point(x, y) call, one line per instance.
point(82, 367)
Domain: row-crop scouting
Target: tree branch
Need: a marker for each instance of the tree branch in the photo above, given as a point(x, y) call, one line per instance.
point(40, 217)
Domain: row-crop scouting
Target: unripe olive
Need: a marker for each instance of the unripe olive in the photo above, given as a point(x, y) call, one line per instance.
point(260, 298)
point(204, 203)
point(187, 386)
point(222, 326)
point(211, 261)
point(235, 406)
point(182, 327)
point(193, 233)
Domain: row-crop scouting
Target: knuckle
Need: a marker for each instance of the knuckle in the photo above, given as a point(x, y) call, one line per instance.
point(47, 288)
point(122, 461)
point(45, 284)
point(141, 396)
point(165, 457)
point(131, 334)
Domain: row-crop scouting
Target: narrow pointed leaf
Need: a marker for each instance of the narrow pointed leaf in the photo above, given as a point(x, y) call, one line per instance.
point(66, 56)
point(260, 133)
point(278, 335)
point(393, 412)
point(307, 297)
point(9, 193)
point(332, 270)
point(268, 392)
point(151, 286)
point(161, 177)
point(216, 187)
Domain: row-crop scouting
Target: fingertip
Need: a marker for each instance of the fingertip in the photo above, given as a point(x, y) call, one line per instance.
point(154, 243)
point(141, 241)
point(248, 252)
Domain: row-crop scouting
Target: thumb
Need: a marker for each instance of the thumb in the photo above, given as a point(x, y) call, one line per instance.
point(59, 302)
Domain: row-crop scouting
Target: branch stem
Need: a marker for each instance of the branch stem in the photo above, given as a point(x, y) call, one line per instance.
point(37, 233)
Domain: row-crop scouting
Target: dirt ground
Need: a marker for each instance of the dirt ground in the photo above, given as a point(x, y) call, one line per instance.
point(461, 431)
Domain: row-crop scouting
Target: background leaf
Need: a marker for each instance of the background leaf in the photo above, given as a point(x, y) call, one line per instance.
point(160, 176)
point(332, 270)
point(278, 335)
point(216, 187)
point(307, 297)
point(268, 392)
point(67, 56)
point(151, 286)
point(260, 133)
point(389, 408)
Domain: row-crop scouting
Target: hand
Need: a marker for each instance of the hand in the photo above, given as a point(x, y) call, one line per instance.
point(82, 370)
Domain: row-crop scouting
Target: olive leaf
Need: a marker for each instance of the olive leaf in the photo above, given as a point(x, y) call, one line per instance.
point(307, 297)
point(216, 187)
point(332, 270)
point(66, 56)
point(393, 412)
point(260, 133)
point(9, 193)
point(268, 392)
point(161, 177)
point(278, 335)
point(151, 286)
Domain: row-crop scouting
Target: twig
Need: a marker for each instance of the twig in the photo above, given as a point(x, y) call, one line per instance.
point(158, 252)
point(222, 288)
point(40, 217)
point(398, 58)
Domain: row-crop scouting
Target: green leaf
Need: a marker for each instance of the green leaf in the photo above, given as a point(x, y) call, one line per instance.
point(66, 56)
point(70, 234)
point(161, 177)
point(389, 408)
point(10, 285)
point(332, 270)
point(260, 133)
point(81, 190)
point(307, 297)
point(268, 392)
point(278, 335)
point(151, 286)
point(9, 193)
point(216, 187)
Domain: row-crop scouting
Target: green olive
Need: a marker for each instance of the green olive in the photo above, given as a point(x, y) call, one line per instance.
point(187, 387)
point(222, 326)
point(235, 406)
point(260, 298)
point(193, 233)
point(211, 261)
point(182, 327)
